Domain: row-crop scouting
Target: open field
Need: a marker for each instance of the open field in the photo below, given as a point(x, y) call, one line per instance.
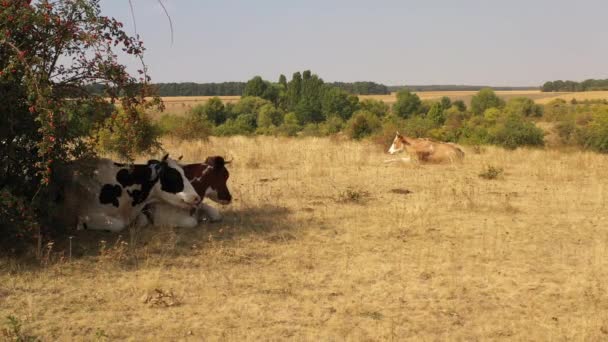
point(327, 242)
point(181, 104)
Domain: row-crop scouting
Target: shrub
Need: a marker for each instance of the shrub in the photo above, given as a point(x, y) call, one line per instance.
point(491, 172)
point(513, 132)
point(290, 126)
point(311, 130)
point(418, 127)
point(378, 107)
point(523, 106)
point(269, 115)
point(594, 135)
point(362, 124)
point(407, 104)
point(484, 99)
point(556, 110)
point(184, 127)
point(436, 114)
point(332, 125)
point(212, 111)
point(116, 135)
point(243, 125)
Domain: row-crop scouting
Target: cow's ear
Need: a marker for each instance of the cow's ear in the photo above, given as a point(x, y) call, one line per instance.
point(165, 157)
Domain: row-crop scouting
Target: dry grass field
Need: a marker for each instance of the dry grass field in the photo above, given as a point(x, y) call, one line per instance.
point(181, 104)
point(325, 241)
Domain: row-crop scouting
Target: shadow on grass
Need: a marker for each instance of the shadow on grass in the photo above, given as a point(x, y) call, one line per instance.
point(268, 222)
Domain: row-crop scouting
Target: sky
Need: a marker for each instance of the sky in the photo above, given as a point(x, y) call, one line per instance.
point(474, 42)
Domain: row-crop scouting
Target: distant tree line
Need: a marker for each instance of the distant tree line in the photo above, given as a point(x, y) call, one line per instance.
point(362, 88)
point(586, 85)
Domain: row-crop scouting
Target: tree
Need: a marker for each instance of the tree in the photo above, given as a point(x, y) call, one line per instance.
point(51, 52)
point(294, 89)
point(255, 87)
point(378, 107)
point(269, 115)
point(435, 114)
point(460, 105)
point(484, 99)
point(338, 102)
point(283, 81)
point(445, 102)
point(523, 106)
point(362, 124)
point(212, 111)
point(407, 104)
point(548, 86)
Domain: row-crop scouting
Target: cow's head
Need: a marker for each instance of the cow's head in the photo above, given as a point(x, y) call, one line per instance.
point(210, 178)
point(398, 144)
point(173, 187)
point(216, 176)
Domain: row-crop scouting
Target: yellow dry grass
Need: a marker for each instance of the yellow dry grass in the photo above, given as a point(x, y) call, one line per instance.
point(466, 95)
point(323, 242)
point(179, 105)
point(579, 96)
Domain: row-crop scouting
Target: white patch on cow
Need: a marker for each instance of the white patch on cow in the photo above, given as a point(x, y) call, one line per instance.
point(187, 198)
point(168, 215)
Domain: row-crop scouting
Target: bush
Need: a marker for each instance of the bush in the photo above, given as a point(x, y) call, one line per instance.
point(491, 172)
point(116, 135)
point(484, 99)
point(269, 115)
point(290, 126)
point(332, 125)
point(594, 135)
point(244, 124)
point(523, 106)
point(362, 124)
point(513, 132)
point(556, 110)
point(407, 104)
point(378, 107)
point(184, 127)
point(212, 111)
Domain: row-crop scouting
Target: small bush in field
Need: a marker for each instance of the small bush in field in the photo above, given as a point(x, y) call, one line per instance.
point(184, 127)
point(141, 133)
point(491, 172)
point(362, 124)
point(514, 131)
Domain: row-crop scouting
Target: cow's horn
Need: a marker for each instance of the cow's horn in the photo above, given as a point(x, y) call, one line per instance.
point(180, 157)
point(165, 157)
point(228, 161)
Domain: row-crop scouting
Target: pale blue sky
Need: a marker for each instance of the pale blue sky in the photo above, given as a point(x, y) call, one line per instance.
point(501, 43)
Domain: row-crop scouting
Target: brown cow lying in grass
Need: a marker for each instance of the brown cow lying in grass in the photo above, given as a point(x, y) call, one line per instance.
point(426, 150)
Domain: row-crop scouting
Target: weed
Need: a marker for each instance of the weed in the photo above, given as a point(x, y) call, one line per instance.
point(14, 331)
point(491, 172)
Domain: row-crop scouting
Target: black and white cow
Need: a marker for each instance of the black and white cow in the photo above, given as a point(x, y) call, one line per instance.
point(209, 179)
point(113, 195)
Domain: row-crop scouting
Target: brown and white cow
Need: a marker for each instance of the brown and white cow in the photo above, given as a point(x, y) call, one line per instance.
point(111, 196)
point(426, 150)
point(209, 179)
